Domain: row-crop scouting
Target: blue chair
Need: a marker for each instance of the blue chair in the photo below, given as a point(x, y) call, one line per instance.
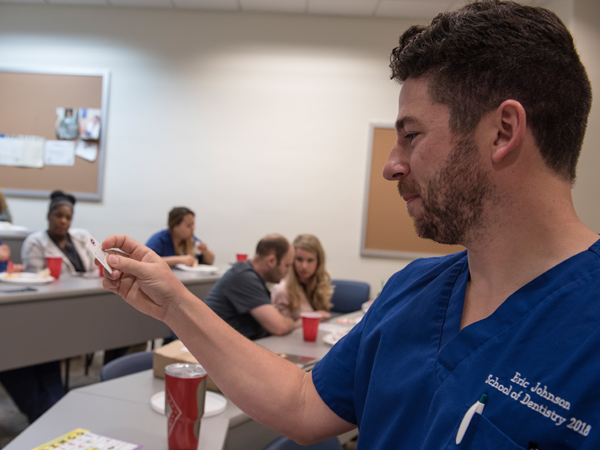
point(283, 443)
point(349, 295)
point(126, 365)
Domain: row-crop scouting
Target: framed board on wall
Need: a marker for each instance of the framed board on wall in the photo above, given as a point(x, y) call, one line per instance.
point(29, 101)
point(388, 230)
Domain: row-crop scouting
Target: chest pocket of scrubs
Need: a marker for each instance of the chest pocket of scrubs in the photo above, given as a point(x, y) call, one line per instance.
point(483, 435)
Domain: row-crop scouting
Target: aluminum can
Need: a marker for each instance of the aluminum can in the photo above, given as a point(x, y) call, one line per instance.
point(185, 390)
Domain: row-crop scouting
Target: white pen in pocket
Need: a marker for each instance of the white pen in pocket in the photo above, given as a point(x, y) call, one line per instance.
point(476, 408)
point(95, 247)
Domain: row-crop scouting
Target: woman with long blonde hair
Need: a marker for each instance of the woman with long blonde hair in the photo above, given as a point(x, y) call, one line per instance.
point(308, 285)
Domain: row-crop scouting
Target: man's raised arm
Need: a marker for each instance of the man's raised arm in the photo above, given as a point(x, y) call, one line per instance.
point(270, 389)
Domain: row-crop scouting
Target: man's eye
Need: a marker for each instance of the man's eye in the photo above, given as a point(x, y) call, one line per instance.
point(411, 136)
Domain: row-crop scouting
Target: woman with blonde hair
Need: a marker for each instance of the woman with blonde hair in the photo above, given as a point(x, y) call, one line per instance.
point(308, 285)
point(177, 244)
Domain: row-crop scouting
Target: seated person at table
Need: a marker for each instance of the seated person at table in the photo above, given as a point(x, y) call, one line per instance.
point(308, 285)
point(5, 263)
point(58, 240)
point(4, 211)
point(241, 297)
point(177, 244)
point(34, 389)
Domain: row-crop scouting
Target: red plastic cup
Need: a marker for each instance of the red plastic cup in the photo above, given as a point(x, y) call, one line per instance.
point(310, 325)
point(54, 263)
point(241, 256)
point(185, 389)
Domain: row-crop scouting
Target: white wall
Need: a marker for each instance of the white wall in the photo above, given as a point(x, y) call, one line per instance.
point(259, 123)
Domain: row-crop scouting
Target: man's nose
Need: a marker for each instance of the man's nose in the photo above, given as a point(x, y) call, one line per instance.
point(396, 165)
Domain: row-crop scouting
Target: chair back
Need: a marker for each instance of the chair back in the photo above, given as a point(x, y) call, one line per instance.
point(126, 365)
point(349, 295)
point(283, 443)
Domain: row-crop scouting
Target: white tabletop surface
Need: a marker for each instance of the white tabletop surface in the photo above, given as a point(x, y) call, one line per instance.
point(121, 409)
point(73, 316)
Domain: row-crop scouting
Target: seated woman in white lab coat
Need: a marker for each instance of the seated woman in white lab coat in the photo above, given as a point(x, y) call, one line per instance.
point(58, 240)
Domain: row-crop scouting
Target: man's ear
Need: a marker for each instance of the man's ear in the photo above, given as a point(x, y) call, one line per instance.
point(510, 122)
point(271, 261)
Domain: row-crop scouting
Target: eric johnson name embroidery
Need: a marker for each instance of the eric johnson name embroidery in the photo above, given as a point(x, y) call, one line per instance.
point(531, 394)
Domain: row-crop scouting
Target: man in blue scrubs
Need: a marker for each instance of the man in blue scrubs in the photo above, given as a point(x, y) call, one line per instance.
point(491, 348)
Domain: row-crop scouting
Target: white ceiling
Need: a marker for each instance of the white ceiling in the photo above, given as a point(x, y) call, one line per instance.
point(361, 8)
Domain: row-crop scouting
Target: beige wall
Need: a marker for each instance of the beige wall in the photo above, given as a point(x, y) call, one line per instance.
point(585, 25)
point(257, 122)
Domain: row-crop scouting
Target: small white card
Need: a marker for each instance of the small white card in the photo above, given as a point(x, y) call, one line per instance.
point(95, 247)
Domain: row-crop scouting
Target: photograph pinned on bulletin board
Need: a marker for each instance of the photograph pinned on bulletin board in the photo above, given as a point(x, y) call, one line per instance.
point(89, 123)
point(66, 123)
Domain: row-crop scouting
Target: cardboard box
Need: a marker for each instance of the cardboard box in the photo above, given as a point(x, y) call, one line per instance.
point(176, 352)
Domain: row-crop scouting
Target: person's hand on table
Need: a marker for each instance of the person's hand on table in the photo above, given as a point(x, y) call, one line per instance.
point(188, 260)
point(325, 315)
point(142, 278)
point(208, 257)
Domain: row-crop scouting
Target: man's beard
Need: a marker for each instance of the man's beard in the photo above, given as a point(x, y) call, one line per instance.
point(273, 275)
point(454, 199)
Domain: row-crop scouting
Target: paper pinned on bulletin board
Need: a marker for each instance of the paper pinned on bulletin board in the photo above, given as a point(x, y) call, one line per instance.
point(22, 151)
point(87, 150)
point(59, 153)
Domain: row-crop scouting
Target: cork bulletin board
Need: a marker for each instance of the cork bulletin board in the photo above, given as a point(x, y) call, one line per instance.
point(28, 102)
point(388, 230)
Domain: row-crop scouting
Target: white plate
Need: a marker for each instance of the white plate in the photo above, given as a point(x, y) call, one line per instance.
point(213, 404)
point(202, 268)
point(24, 278)
point(333, 338)
point(347, 321)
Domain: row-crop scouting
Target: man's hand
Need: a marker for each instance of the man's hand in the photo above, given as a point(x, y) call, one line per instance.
point(142, 278)
point(247, 373)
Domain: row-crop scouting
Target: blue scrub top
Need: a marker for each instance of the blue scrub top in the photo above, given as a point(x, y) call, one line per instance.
point(162, 244)
point(407, 374)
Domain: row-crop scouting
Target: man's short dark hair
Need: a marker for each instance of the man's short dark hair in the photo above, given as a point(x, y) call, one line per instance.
point(491, 51)
point(273, 244)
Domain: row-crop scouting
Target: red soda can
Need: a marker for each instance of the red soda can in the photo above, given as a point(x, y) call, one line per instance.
point(185, 389)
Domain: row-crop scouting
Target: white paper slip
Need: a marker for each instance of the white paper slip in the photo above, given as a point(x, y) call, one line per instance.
point(95, 248)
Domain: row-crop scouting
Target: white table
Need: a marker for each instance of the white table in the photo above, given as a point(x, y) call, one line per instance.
point(120, 408)
point(110, 409)
point(294, 343)
point(74, 316)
